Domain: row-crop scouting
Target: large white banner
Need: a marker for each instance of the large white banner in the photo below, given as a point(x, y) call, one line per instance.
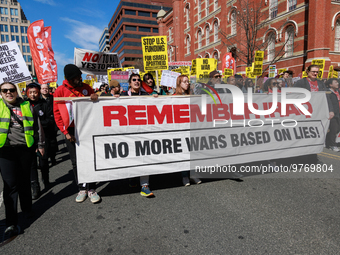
point(95, 62)
point(12, 64)
point(136, 136)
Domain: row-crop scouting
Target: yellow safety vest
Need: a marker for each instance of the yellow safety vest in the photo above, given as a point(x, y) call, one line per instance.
point(5, 120)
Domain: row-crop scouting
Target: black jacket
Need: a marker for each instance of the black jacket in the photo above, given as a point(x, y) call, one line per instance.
point(335, 103)
point(303, 83)
point(44, 110)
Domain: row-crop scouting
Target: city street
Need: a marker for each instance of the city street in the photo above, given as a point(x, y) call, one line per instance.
point(260, 214)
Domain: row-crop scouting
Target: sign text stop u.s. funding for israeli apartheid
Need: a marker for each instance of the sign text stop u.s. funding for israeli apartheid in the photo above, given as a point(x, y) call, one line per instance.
point(155, 56)
point(130, 137)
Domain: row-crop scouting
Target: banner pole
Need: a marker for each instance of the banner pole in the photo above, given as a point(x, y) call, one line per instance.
point(157, 81)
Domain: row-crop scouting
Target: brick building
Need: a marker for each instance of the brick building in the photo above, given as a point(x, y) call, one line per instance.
point(304, 30)
point(132, 20)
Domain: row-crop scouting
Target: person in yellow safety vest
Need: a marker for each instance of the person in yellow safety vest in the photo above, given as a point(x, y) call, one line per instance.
point(21, 135)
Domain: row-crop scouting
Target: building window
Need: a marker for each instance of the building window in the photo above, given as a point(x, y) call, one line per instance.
point(289, 41)
point(273, 8)
point(4, 38)
point(233, 23)
point(130, 12)
point(337, 36)
point(24, 39)
point(23, 30)
point(155, 30)
point(207, 34)
point(14, 12)
point(187, 15)
point(14, 29)
point(4, 28)
point(144, 14)
point(215, 5)
point(131, 28)
point(188, 45)
point(170, 34)
point(216, 55)
point(154, 15)
point(199, 9)
point(215, 31)
point(199, 36)
point(207, 7)
point(145, 29)
point(291, 5)
point(271, 47)
point(3, 10)
point(24, 49)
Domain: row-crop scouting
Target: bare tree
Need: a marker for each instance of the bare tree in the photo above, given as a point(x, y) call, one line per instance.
point(248, 23)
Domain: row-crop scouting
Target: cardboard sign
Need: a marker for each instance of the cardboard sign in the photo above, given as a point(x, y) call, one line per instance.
point(12, 64)
point(155, 54)
point(22, 85)
point(258, 63)
point(128, 67)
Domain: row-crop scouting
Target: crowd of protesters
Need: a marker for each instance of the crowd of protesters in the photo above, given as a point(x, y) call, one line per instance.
point(28, 127)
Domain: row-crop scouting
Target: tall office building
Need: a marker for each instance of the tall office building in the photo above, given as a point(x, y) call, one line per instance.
point(132, 20)
point(104, 45)
point(13, 27)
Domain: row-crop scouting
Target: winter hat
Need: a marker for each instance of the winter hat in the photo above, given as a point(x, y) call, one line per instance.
point(71, 71)
point(114, 83)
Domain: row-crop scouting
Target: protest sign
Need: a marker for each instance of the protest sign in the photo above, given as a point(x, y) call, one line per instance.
point(193, 68)
point(52, 85)
point(249, 72)
point(110, 70)
point(94, 62)
point(228, 62)
point(272, 71)
point(136, 136)
point(204, 66)
point(127, 68)
point(258, 63)
point(155, 56)
point(304, 74)
point(122, 77)
point(12, 65)
point(169, 78)
point(280, 71)
point(22, 85)
point(228, 72)
point(321, 64)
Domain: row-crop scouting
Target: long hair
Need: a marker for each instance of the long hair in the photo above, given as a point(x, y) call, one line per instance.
point(179, 90)
point(148, 76)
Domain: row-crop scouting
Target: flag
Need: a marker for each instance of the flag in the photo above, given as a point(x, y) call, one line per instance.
point(40, 53)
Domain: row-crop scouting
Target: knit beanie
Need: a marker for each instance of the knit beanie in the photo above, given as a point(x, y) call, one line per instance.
point(71, 71)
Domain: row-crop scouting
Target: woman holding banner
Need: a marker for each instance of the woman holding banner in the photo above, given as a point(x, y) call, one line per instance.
point(135, 90)
point(20, 135)
point(183, 88)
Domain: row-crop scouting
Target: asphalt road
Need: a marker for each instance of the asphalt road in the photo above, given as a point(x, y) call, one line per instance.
point(260, 214)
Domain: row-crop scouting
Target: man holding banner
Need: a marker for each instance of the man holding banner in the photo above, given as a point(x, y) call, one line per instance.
point(63, 115)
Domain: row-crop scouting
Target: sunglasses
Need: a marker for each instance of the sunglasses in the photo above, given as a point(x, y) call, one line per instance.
point(275, 83)
point(10, 90)
point(136, 80)
point(217, 76)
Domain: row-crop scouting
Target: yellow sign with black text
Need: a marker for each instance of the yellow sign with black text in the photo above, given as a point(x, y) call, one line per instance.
point(155, 54)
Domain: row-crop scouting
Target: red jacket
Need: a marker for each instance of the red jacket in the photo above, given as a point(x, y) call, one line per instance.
point(59, 108)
